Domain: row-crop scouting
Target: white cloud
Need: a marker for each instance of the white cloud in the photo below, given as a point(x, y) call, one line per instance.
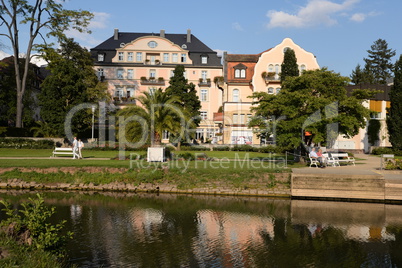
point(316, 12)
point(360, 17)
point(100, 20)
point(237, 26)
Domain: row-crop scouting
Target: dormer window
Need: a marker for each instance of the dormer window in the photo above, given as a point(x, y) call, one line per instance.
point(240, 71)
point(101, 57)
point(152, 44)
point(204, 60)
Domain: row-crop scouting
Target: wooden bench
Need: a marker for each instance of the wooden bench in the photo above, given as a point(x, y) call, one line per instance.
point(62, 151)
point(343, 157)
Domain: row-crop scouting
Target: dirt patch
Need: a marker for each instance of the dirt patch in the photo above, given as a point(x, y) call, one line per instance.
point(71, 170)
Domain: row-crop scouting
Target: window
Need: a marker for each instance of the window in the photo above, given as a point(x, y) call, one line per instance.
point(235, 118)
point(199, 135)
point(100, 72)
point(302, 68)
point(165, 57)
point(174, 57)
point(271, 68)
point(278, 89)
point(101, 57)
point(171, 73)
point(271, 90)
point(375, 115)
point(152, 90)
point(204, 95)
point(121, 56)
point(235, 95)
point(120, 73)
point(277, 68)
point(152, 44)
point(130, 74)
point(204, 59)
point(118, 92)
point(152, 73)
point(204, 115)
point(242, 118)
point(237, 73)
point(248, 117)
point(204, 76)
point(183, 57)
point(139, 56)
point(165, 135)
point(130, 92)
point(130, 56)
point(243, 73)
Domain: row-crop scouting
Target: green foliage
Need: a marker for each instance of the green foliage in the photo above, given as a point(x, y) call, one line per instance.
point(40, 17)
point(393, 164)
point(34, 218)
point(386, 150)
point(310, 102)
point(159, 112)
point(289, 66)
point(394, 117)
point(373, 131)
point(379, 62)
point(18, 143)
point(187, 94)
point(72, 82)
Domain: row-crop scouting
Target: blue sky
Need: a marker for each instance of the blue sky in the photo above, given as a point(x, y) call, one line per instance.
point(338, 32)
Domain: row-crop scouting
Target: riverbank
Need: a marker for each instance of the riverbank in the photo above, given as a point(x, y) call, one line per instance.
point(363, 182)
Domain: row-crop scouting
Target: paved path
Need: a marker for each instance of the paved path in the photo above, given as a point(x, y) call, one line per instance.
point(365, 165)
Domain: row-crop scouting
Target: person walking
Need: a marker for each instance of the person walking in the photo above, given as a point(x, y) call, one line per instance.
point(80, 146)
point(75, 148)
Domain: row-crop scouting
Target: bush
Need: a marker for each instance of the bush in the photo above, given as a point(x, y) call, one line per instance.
point(194, 148)
point(244, 148)
point(222, 148)
point(20, 143)
point(386, 150)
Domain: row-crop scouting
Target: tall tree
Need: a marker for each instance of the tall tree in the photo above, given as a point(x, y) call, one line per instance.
point(311, 102)
point(289, 66)
point(158, 113)
point(187, 94)
point(379, 61)
point(72, 81)
point(38, 16)
point(394, 118)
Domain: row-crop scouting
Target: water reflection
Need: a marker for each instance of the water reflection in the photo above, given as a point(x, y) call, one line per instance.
point(142, 230)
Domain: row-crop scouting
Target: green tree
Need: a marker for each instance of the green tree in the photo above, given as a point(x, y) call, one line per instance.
point(8, 93)
point(187, 94)
point(379, 61)
point(157, 113)
point(311, 102)
point(72, 81)
point(38, 17)
point(289, 66)
point(394, 118)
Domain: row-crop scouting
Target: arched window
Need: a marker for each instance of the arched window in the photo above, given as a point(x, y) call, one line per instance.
point(302, 68)
point(235, 95)
point(277, 68)
point(242, 73)
point(278, 89)
point(270, 68)
point(270, 90)
point(237, 73)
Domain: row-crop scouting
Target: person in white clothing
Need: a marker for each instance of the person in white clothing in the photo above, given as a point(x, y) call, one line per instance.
point(80, 146)
point(75, 148)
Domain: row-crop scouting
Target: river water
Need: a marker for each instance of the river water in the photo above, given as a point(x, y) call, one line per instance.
point(149, 230)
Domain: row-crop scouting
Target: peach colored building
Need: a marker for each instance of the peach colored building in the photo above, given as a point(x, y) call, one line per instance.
point(246, 74)
point(133, 63)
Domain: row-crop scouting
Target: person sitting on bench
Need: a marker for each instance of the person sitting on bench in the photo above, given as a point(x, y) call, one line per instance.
point(314, 155)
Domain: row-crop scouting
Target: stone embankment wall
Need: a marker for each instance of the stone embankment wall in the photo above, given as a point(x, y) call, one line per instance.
point(276, 186)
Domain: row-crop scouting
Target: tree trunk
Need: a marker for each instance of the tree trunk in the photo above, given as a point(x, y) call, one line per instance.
point(20, 106)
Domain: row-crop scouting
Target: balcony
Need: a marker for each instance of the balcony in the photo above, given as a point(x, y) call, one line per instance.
point(150, 62)
point(204, 82)
point(123, 100)
point(270, 77)
point(152, 81)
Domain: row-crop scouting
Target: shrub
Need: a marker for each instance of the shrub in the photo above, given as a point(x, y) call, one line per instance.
point(31, 223)
point(222, 148)
point(20, 143)
point(386, 150)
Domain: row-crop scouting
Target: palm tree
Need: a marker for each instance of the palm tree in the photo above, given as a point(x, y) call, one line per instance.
point(43, 129)
point(158, 113)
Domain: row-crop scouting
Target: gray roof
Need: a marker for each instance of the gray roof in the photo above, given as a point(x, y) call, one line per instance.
point(196, 48)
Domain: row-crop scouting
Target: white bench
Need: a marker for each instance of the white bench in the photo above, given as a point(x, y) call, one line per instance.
point(343, 157)
point(314, 161)
point(333, 161)
point(62, 151)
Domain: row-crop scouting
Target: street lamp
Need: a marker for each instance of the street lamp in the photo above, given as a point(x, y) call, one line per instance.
point(93, 121)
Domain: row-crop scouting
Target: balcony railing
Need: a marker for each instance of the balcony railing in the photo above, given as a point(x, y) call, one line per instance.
point(152, 81)
point(123, 100)
point(204, 82)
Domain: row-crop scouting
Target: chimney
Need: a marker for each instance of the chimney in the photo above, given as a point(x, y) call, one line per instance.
point(188, 36)
point(116, 34)
point(162, 33)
